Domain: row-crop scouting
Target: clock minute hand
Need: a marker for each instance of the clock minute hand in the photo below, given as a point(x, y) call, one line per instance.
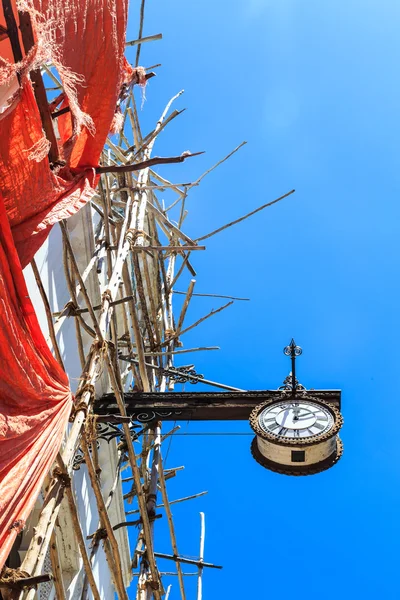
point(305, 415)
point(297, 415)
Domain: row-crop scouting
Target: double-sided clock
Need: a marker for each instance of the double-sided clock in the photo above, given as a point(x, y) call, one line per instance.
point(296, 435)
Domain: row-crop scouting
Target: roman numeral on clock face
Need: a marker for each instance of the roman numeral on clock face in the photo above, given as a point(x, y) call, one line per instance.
point(320, 415)
point(319, 426)
point(274, 426)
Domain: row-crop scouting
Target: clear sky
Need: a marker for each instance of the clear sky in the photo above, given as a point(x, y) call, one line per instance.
point(313, 86)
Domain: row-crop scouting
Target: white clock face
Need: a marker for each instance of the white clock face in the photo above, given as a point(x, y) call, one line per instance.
point(295, 420)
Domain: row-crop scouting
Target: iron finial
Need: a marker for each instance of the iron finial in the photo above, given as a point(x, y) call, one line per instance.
point(293, 351)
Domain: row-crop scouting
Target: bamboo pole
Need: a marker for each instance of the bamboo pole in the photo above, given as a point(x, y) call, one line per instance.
point(81, 543)
point(56, 568)
point(47, 309)
point(155, 132)
point(210, 314)
point(218, 164)
point(145, 164)
point(185, 263)
point(70, 278)
point(165, 221)
point(143, 40)
point(141, 22)
point(168, 473)
point(185, 561)
point(139, 492)
point(84, 292)
point(201, 557)
point(170, 574)
point(108, 502)
point(24, 582)
point(189, 377)
point(153, 484)
point(132, 512)
point(212, 296)
point(166, 183)
point(105, 522)
point(168, 592)
point(167, 248)
point(171, 527)
point(185, 306)
point(184, 351)
point(250, 214)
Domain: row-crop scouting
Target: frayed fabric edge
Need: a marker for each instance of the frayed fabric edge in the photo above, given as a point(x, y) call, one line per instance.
point(39, 150)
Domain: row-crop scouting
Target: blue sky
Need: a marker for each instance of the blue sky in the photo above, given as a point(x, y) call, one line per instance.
point(314, 89)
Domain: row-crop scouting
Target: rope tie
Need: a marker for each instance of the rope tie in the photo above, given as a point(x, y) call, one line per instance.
point(106, 295)
point(62, 476)
point(72, 307)
point(100, 534)
point(91, 428)
point(132, 235)
point(11, 576)
point(19, 525)
point(102, 346)
point(80, 404)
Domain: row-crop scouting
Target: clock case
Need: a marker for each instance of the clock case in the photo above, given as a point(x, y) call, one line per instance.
point(265, 446)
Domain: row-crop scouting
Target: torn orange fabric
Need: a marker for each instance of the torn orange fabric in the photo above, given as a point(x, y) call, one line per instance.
point(35, 399)
point(86, 42)
point(35, 197)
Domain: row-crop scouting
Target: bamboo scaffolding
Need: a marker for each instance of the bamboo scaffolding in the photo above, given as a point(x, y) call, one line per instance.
point(36, 553)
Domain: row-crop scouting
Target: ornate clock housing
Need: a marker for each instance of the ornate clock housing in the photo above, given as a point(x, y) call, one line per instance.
point(296, 435)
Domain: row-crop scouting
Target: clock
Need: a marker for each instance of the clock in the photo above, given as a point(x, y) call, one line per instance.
point(296, 435)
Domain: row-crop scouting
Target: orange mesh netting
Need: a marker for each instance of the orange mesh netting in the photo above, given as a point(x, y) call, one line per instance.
point(85, 40)
point(35, 399)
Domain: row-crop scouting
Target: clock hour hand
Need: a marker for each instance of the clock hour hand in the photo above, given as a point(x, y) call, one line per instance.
point(305, 414)
point(305, 417)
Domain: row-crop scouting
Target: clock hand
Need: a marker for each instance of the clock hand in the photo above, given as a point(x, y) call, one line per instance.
point(296, 410)
point(306, 415)
point(297, 414)
point(285, 417)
